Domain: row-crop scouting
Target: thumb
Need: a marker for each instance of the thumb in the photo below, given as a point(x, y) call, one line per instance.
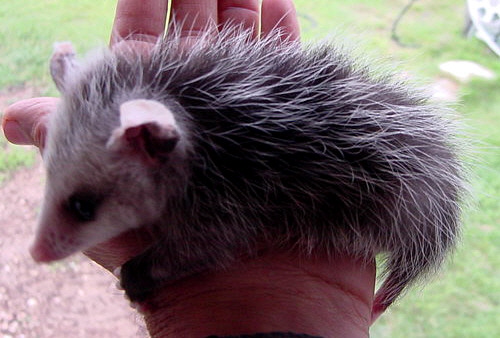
point(25, 122)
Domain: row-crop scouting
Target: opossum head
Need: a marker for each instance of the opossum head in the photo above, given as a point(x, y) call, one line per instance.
point(103, 162)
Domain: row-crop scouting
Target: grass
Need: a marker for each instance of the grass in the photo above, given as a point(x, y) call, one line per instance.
point(12, 157)
point(28, 30)
point(464, 300)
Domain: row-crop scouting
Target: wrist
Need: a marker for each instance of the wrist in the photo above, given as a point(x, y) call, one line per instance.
point(273, 293)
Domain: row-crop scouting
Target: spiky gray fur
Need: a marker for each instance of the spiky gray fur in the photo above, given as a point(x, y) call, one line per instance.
point(285, 146)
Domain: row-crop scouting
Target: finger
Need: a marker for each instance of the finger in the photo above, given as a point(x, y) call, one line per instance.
point(241, 12)
point(139, 20)
point(281, 15)
point(25, 122)
point(193, 18)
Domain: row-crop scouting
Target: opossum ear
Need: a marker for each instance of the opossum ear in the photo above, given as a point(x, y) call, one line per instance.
point(62, 63)
point(147, 129)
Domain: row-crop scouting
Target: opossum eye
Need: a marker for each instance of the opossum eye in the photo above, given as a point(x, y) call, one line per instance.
point(82, 207)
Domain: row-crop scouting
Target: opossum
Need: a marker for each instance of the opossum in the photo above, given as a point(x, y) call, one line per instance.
point(236, 145)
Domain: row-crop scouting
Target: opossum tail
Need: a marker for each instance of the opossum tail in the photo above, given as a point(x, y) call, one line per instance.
point(401, 272)
point(392, 287)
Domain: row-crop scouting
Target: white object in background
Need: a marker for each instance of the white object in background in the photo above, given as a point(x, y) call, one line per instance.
point(464, 71)
point(485, 16)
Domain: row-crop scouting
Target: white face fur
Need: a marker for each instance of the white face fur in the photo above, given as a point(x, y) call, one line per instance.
point(73, 219)
point(96, 191)
point(101, 160)
point(100, 164)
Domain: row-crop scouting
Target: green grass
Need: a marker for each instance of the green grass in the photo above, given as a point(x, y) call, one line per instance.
point(464, 300)
point(12, 157)
point(28, 30)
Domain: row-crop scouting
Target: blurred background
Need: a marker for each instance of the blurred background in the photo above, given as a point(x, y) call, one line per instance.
point(425, 39)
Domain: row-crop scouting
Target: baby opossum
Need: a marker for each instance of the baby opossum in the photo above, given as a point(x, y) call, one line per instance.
point(235, 145)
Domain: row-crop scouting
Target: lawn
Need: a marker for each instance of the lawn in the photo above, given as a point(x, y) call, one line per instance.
point(464, 300)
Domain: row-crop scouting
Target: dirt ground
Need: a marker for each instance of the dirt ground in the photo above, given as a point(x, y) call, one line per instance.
point(73, 298)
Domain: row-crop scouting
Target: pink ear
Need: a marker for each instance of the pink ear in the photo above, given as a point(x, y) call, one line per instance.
point(147, 129)
point(62, 63)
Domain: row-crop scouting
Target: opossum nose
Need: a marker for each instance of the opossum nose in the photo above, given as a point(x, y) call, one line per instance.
point(44, 253)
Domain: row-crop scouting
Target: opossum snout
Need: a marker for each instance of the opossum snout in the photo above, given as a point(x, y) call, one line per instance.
point(42, 252)
point(50, 247)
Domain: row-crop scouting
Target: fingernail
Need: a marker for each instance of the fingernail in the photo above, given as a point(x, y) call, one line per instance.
point(15, 134)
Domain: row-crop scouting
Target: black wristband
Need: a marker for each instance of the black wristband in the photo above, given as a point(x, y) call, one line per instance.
point(269, 335)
